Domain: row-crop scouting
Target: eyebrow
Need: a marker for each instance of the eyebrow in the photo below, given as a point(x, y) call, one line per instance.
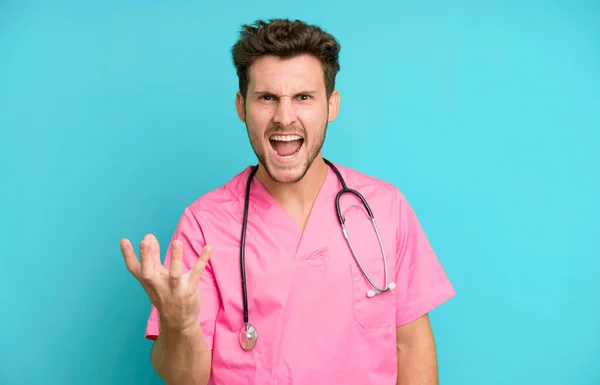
point(265, 92)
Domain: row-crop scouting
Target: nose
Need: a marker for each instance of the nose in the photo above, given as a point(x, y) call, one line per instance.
point(284, 113)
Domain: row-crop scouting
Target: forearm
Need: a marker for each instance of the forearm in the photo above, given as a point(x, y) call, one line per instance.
point(417, 363)
point(182, 357)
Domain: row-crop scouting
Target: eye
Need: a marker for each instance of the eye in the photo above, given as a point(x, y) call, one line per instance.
point(267, 97)
point(304, 97)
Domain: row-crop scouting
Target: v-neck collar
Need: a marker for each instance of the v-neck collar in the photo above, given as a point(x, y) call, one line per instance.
point(307, 244)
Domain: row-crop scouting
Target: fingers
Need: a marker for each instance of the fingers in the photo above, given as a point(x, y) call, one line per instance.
point(155, 249)
point(131, 260)
point(200, 265)
point(176, 260)
point(146, 268)
point(146, 257)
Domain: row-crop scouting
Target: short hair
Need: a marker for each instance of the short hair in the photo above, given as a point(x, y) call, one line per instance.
point(284, 38)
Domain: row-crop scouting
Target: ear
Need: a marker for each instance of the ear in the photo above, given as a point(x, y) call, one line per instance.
point(239, 106)
point(334, 105)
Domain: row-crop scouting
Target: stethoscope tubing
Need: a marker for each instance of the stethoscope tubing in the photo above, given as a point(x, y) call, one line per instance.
point(249, 332)
point(346, 190)
point(243, 244)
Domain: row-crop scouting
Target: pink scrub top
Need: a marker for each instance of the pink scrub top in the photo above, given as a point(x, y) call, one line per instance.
point(306, 294)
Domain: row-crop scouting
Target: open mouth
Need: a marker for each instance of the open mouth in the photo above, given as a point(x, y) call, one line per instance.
point(286, 146)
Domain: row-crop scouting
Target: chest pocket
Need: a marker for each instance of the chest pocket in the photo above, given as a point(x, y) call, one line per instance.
point(377, 311)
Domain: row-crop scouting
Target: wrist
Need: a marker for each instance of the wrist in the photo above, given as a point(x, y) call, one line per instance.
point(190, 332)
point(180, 327)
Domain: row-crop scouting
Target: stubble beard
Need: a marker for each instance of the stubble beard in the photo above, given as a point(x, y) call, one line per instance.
point(260, 153)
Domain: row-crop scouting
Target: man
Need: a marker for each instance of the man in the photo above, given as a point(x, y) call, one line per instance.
point(317, 318)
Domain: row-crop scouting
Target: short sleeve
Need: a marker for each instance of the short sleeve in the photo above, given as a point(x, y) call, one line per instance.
point(189, 232)
point(421, 283)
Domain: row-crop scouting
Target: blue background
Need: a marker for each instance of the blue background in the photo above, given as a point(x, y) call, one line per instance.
point(115, 115)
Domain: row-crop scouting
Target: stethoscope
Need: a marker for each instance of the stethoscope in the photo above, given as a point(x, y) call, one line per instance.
point(248, 334)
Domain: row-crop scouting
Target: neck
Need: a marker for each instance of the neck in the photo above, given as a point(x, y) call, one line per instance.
point(301, 194)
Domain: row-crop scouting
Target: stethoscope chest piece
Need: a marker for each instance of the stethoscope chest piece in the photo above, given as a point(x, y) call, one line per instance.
point(248, 336)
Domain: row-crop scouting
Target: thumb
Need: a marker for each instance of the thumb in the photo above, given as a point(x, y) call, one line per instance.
point(200, 265)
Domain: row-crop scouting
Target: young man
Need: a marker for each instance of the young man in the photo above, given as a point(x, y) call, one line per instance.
point(287, 300)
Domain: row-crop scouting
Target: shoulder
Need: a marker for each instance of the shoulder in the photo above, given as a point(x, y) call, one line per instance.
point(221, 202)
point(383, 196)
point(369, 185)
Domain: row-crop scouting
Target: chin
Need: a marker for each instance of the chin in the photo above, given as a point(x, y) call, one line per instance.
point(286, 173)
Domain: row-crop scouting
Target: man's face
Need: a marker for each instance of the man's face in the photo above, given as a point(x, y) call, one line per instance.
point(286, 112)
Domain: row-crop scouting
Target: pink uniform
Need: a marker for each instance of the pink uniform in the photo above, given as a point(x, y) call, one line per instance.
point(306, 294)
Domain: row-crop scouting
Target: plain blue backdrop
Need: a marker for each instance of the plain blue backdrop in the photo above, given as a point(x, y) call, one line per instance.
point(115, 115)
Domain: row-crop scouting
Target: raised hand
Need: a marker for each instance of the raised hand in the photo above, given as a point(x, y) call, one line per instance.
point(176, 296)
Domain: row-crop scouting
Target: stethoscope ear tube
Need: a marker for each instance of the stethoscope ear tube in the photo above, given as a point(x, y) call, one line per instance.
point(346, 190)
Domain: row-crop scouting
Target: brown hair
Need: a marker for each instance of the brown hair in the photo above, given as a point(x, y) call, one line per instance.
point(285, 39)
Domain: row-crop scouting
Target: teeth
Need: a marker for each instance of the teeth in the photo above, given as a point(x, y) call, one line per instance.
point(285, 138)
